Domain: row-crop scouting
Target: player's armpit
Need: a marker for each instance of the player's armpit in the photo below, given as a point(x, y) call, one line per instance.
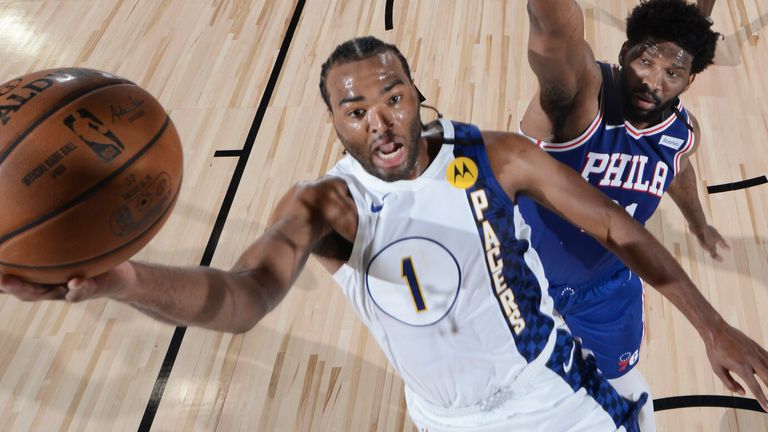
point(564, 65)
point(307, 215)
point(333, 251)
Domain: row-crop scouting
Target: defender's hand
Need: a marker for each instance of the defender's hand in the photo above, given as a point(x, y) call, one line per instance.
point(710, 239)
point(730, 350)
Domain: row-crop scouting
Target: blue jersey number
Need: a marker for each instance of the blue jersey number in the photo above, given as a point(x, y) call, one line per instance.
point(409, 274)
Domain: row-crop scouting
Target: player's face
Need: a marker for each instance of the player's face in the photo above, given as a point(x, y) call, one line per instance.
point(654, 73)
point(375, 110)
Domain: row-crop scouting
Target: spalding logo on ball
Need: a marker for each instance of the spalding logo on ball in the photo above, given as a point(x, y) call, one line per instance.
point(90, 168)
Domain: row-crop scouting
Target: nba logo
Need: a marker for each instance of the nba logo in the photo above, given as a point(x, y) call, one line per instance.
point(91, 130)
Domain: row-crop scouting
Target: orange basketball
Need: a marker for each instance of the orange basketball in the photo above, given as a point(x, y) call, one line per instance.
point(90, 168)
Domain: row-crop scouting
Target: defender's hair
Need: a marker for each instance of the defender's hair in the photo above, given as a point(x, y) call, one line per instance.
point(674, 21)
point(353, 50)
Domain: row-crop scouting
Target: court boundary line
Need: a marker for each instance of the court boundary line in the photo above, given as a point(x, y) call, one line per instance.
point(702, 401)
point(739, 185)
point(227, 153)
point(388, 15)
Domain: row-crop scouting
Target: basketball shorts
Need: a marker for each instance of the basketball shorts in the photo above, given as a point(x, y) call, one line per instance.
point(607, 316)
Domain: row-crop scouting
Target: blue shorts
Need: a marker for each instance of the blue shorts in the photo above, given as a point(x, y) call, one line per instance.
point(607, 315)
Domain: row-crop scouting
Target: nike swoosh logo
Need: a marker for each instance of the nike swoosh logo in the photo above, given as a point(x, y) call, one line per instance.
point(567, 366)
point(377, 208)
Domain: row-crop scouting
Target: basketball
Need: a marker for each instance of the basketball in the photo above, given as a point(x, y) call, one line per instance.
point(90, 168)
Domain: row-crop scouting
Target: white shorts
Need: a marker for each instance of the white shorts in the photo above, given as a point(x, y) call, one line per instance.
point(545, 403)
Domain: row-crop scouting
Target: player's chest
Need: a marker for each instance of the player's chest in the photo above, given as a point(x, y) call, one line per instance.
point(421, 249)
point(618, 164)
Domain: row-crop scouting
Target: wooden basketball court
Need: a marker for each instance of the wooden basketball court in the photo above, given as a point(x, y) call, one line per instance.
point(240, 79)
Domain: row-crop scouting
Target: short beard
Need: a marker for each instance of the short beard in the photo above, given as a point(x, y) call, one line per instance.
point(632, 113)
point(406, 169)
point(654, 116)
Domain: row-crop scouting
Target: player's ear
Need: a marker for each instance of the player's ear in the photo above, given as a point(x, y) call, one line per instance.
point(691, 79)
point(623, 53)
point(418, 92)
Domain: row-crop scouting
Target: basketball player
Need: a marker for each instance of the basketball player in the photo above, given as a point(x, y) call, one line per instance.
point(625, 130)
point(420, 229)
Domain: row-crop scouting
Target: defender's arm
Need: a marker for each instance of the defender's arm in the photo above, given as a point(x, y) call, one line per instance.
point(685, 194)
point(705, 6)
point(569, 79)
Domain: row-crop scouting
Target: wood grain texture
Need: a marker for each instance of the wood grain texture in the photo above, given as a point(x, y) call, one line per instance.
point(310, 365)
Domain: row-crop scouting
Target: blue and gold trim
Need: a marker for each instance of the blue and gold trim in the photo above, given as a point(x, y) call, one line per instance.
point(518, 291)
point(515, 286)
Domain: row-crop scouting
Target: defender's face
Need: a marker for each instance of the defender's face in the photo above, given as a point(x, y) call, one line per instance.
point(654, 73)
point(375, 110)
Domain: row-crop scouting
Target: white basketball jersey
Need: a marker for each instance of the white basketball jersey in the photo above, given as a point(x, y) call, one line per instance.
point(442, 275)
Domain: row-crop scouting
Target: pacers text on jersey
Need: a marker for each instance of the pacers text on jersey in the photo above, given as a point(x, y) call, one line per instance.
point(495, 264)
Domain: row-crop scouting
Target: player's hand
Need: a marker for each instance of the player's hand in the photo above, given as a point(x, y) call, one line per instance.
point(26, 291)
point(710, 239)
point(731, 351)
point(78, 289)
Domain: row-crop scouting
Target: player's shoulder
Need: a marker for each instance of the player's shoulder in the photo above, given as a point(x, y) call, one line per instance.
point(501, 144)
point(512, 157)
point(694, 122)
point(696, 131)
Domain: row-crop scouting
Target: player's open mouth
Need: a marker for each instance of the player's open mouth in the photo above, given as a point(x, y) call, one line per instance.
point(389, 154)
point(643, 101)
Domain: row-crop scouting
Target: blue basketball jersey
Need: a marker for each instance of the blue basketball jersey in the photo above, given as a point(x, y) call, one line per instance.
point(633, 167)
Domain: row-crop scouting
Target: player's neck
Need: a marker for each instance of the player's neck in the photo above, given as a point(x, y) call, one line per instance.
point(654, 118)
point(429, 144)
point(428, 148)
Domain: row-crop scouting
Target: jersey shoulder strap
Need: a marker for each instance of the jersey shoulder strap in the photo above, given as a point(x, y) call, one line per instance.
point(610, 96)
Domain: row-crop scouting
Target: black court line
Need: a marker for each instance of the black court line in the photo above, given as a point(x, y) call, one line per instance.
point(728, 187)
point(388, 15)
point(227, 153)
point(178, 335)
point(694, 401)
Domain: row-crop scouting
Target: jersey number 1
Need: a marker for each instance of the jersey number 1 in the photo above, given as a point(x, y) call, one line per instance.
point(409, 274)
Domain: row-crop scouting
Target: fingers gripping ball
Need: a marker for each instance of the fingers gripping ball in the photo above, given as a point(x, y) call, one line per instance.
point(90, 168)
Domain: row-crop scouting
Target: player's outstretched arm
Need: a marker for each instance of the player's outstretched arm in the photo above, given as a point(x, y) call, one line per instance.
point(705, 6)
point(525, 169)
point(564, 64)
point(233, 300)
point(684, 192)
